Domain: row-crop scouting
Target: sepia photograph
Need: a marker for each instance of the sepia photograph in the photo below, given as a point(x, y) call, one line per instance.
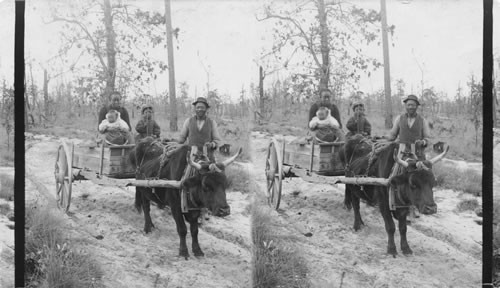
point(233, 143)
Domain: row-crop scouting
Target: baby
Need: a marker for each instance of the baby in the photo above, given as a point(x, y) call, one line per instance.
point(114, 128)
point(325, 126)
point(147, 126)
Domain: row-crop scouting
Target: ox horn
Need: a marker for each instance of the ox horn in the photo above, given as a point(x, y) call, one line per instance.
point(397, 157)
point(440, 156)
point(421, 166)
point(195, 165)
point(228, 161)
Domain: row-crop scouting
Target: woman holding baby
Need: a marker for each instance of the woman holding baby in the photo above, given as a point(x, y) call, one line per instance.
point(114, 122)
point(324, 119)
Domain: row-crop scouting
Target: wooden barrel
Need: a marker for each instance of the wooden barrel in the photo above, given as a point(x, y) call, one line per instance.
point(300, 155)
point(116, 163)
point(329, 161)
point(323, 164)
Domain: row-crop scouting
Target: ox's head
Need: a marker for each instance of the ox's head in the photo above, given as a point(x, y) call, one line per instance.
point(209, 186)
point(354, 148)
point(144, 151)
point(417, 182)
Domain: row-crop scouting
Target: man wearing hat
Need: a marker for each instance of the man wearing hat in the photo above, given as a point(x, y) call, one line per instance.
point(200, 130)
point(411, 128)
point(414, 133)
point(358, 124)
point(147, 126)
point(324, 101)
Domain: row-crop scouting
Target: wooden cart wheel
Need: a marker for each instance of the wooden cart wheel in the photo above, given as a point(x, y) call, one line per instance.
point(64, 175)
point(274, 173)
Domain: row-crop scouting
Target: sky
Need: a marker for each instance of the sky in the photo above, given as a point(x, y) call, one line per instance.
point(439, 41)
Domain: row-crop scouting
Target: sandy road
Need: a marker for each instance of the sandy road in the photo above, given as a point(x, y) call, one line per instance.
point(447, 246)
point(130, 258)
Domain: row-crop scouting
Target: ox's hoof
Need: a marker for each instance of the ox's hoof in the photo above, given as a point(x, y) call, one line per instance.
point(184, 253)
point(148, 228)
point(198, 252)
point(406, 250)
point(392, 251)
point(358, 226)
point(347, 206)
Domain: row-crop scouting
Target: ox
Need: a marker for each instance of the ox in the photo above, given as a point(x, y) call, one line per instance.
point(413, 187)
point(205, 189)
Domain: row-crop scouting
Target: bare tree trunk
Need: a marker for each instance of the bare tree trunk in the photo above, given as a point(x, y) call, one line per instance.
point(110, 50)
point(46, 93)
point(171, 69)
point(28, 106)
point(495, 124)
point(387, 75)
point(261, 92)
point(325, 49)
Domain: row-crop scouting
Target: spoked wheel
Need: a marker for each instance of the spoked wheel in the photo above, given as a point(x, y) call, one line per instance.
point(64, 175)
point(274, 173)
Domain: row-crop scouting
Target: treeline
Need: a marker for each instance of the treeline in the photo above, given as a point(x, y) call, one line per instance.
point(285, 101)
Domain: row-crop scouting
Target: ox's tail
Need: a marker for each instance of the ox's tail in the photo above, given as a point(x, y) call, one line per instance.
point(138, 200)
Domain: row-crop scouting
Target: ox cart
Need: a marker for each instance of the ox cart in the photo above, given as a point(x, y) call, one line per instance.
point(108, 165)
point(302, 160)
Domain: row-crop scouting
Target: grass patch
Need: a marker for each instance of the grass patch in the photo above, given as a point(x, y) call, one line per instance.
point(468, 180)
point(7, 187)
point(7, 155)
point(4, 208)
point(238, 178)
point(276, 260)
point(467, 205)
point(496, 242)
point(51, 259)
point(6, 148)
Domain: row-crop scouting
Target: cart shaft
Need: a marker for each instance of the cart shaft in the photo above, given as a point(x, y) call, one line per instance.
point(314, 178)
point(107, 181)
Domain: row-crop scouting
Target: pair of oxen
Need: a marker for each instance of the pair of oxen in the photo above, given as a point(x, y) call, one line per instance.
point(207, 188)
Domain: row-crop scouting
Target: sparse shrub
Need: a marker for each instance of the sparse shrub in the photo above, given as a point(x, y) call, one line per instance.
point(7, 187)
point(4, 208)
point(448, 177)
point(276, 261)
point(51, 259)
point(496, 241)
point(496, 225)
point(238, 178)
point(7, 155)
point(467, 205)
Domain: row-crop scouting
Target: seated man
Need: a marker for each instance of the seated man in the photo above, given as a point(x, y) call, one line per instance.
point(358, 124)
point(326, 127)
point(114, 129)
